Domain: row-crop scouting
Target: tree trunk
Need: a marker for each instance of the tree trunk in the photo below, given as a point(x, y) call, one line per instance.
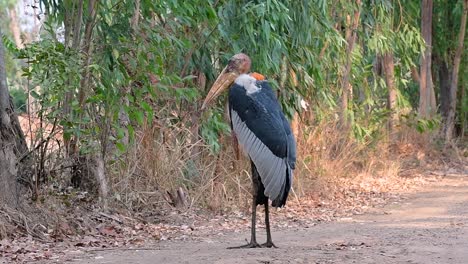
point(350, 35)
point(389, 69)
point(74, 23)
point(77, 26)
point(99, 171)
point(86, 49)
point(415, 74)
point(450, 121)
point(444, 84)
point(427, 103)
point(12, 142)
point(15, 29)
point(463, 114)
point(136, 16)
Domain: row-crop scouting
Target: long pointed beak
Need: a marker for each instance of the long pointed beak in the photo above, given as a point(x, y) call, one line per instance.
point(224, 80)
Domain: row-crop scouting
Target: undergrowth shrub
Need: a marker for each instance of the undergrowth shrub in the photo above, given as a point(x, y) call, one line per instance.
point(157, 164)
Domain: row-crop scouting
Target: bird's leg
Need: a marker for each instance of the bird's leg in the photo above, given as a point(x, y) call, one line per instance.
point(269, 242)
point(253, 239)
point(255, 182)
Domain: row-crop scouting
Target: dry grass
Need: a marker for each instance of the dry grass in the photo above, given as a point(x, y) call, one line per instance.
point(328, 162)
point(163, 162)
point(165, 159)
point(336, 175)
point(331, 160)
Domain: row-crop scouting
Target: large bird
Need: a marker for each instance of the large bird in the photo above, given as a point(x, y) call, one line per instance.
point(264, 134)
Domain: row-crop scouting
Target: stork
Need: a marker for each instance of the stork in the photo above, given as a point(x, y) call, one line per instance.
point(264, 134)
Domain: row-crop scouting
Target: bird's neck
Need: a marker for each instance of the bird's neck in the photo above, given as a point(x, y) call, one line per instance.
point(248, 82)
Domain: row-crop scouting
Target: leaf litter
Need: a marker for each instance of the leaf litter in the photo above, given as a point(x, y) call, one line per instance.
point(82, 231)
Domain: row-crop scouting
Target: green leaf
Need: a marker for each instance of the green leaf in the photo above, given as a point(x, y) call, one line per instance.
point(121, 147)
point(35, 95)
point(139, 116)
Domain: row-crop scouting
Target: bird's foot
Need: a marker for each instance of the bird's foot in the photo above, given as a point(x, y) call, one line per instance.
point(252, 244)
point(269, 244)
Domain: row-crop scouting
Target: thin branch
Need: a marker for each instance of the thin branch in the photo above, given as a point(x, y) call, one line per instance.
point(51, 135)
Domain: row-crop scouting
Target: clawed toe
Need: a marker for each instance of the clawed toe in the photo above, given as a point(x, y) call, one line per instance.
point(269, 244)
point(249, 245)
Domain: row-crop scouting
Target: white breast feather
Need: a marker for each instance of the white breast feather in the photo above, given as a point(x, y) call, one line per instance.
point(248, 82)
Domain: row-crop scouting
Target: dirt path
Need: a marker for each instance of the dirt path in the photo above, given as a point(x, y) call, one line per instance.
point(431, 226)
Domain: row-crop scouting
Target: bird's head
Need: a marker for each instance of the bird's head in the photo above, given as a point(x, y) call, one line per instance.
point(237, 65)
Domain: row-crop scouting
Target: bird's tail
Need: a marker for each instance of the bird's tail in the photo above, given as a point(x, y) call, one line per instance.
point(280, 201)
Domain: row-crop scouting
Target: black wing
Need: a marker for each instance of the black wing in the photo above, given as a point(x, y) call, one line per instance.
point(287, 128)
point(265, 135)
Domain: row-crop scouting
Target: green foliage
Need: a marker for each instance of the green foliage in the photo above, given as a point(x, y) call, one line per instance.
point(20, 100)
point(212, 128)
point(157, 71)
point(420, 124)
point(7, 4)
point(52, 70)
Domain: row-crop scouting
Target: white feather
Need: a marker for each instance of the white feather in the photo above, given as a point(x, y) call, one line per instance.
point(248, 82)
point(272, 169)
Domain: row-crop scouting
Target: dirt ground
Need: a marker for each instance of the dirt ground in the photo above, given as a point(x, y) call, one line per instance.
point(430, 226)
